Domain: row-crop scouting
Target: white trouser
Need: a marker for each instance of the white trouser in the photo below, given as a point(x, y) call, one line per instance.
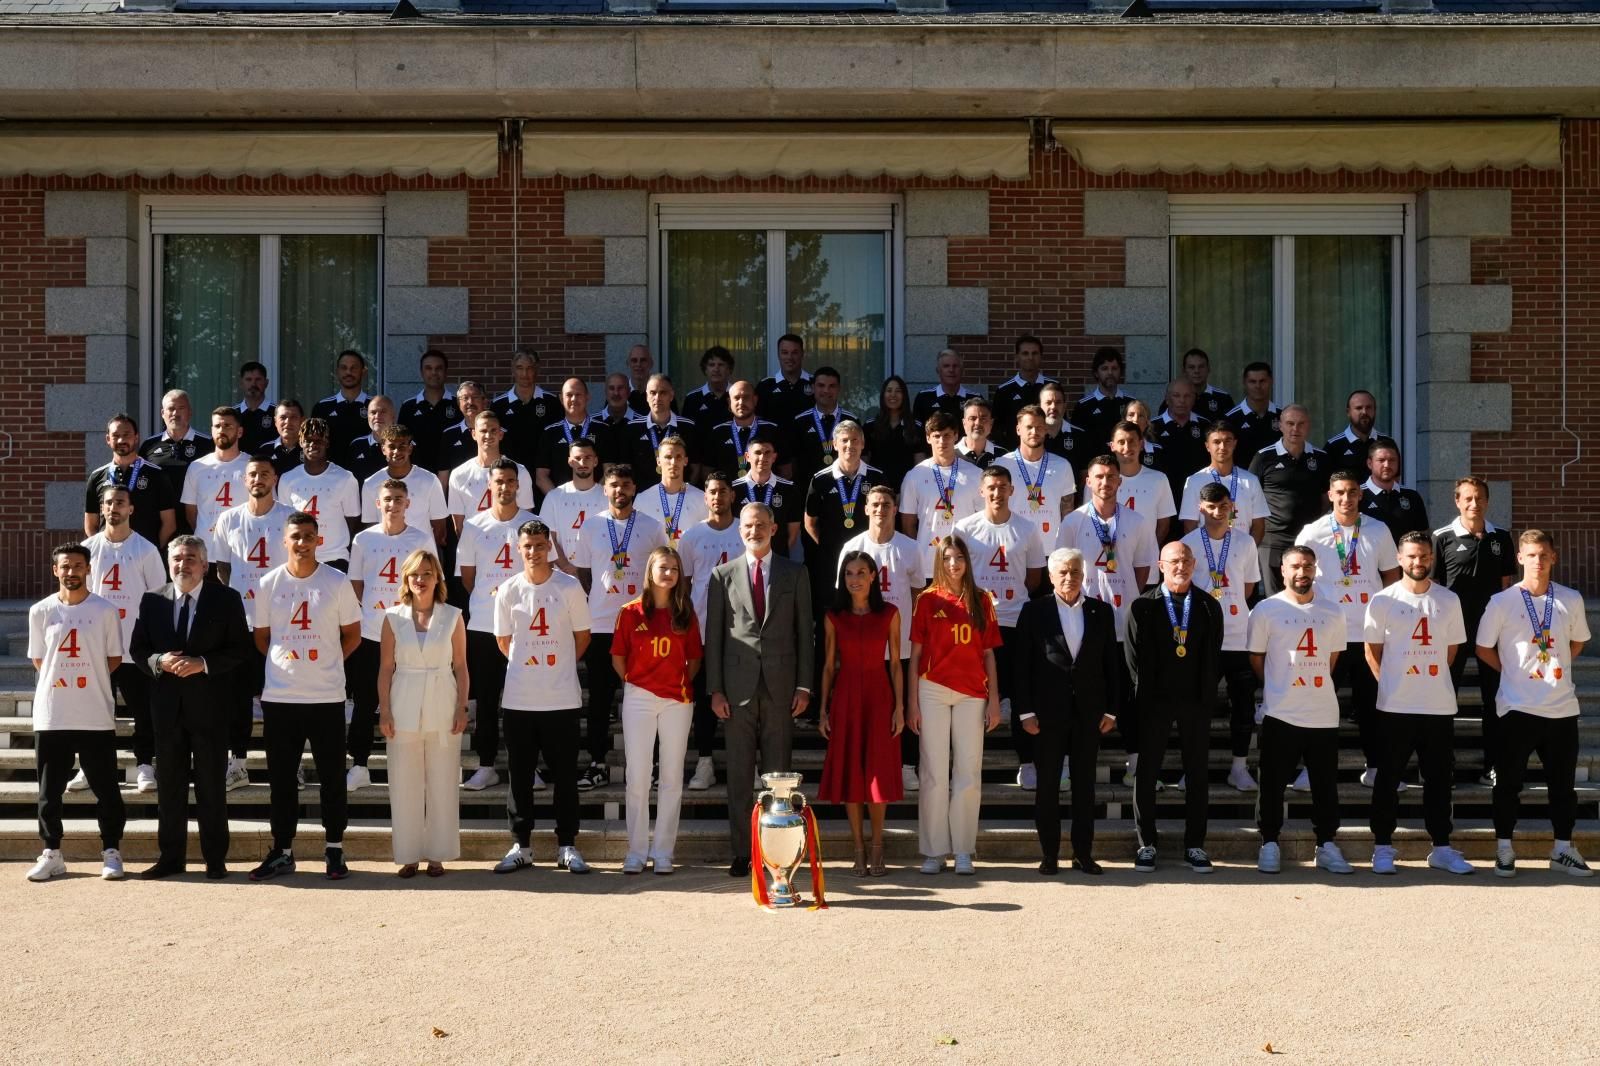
point(645, 716)
point(424, 796)
point(951, 775)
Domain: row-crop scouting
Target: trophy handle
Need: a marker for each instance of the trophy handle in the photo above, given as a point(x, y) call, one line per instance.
point(797, 800)
point(763, 799)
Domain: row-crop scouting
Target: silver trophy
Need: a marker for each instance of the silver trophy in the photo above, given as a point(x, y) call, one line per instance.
point(781, 833)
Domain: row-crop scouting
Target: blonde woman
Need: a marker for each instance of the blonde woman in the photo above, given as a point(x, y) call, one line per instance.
point(656, 651)
point(955, 700)
point(422, 710)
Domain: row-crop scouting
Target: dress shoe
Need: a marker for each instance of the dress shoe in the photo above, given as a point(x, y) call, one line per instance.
point(739, 868)
point(1049, 867)
point(160, 870)
point(1088, 866)
point(216, 871)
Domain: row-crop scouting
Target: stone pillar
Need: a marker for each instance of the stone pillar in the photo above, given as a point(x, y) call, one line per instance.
point(413, 310)
point(935, 310)
point(618, 309)
point(1138, 311)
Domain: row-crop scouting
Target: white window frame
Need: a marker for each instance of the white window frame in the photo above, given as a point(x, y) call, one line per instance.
point(1282, 217)
point(269, 217)
point(777, 213)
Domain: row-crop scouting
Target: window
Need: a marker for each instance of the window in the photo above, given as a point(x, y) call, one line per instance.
point(285, 282)
point(743, 271)
point(1312, 287)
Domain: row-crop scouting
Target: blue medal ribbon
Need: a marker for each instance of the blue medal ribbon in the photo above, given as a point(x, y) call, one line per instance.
point(1541, 630)
point(847, 500)
point(1218, 569)
point(1233, 491)
point(566, 430)
point(1035, 489)
point(945, 502)
point(823, 438)
point(674, 531)
point(1347, 560)
point(1107, 533)
point(1180, 630)
point(619, 551)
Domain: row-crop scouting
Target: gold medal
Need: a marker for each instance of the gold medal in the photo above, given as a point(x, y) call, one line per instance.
point(1544, 656)
point(1345, 581)
point(1216, 594)
point(1182, 651)
point(849, 523)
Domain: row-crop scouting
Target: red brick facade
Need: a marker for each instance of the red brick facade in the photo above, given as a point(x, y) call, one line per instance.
point(1035, 264)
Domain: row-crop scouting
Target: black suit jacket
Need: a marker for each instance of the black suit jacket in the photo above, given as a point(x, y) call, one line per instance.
point(217, 633)
point(1049, 680)
point(1150, 646)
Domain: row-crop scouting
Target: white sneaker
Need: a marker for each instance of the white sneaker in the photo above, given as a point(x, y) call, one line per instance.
point(633, 865)
point(1505, 862)
point(356, 777)
point(539, 783)
point(1383, 859)
point(704, 776)
point(1183, 783)
point(933, 864)
point(50, 864)
point(662, 867)
point(909, 781)
point(1270, 860)
point(236, 776)
point(1130, 775)
point(1240, 778)
point(1568, 861)
point(79, 783)
point(1066, 777)
point(1027, 777)
point(569, 860)
point(964, 865)
point(1450, 860)
point(144, 778)
point(300, 779)
point(1487, 780)
point(1302, 783)
point(111, 865)
point(1331, 859)
point(1369, 778)
point(482, 778)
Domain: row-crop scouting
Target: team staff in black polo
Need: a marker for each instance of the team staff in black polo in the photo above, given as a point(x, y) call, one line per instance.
point(1020, 390)
point(1294, 480)
point(154, 505)
point(524, 409)
point(432, 410)
point(811, 431)
point(457, 444)
point(1061, 437)
point(176, 446)
point(723, 446)
point(1384, 498)
point(346, 410)
point(1210, 402)
point(1255, 418)
point(1181, 434)
point(364, 455)
point(949, 395)
point(762, 485)
point(787, 393)
point(1101, 407)
point(255, 413)
point(708, 405)
point(641, 439)
point(555, 441)
point(1348, 449)
point(284, 451)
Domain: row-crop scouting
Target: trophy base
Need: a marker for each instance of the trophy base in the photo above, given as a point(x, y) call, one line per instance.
point(780, 895)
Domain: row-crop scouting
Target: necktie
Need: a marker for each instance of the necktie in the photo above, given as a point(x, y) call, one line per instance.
point(758, 594)
point(183, 620)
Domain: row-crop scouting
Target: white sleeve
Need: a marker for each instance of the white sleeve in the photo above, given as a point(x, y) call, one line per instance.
point(434, 498)
point(1036, 550)
point(349, 606)
point(349, 497)
point(1376, 621)
point(458, 502)
point(369, 503)
point(221, 550)
point(261, 616)
point(502, 616)
point(358, 558)
point(1256, 639)
point(1578, 621)
point(1145, 552)
point(466, 548)
point(1190, 507)
point(686, 547)
point(1384, 552)
point(1250, 560)
point(1255, 504)
point(524, 489)
point(910, 500)
point(1455, 626)
point(191, 489)
point(579, 555)
point(578, 608)
point(915, 576)
point(1489, 626)
point(111, 634)
point(1338, 634)
point(36, 633)
point(154, 574)
point(1163, 507)
point(1304, 537)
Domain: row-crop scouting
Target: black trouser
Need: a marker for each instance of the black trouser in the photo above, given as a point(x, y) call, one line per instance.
point(486, 667)
point(554, 735)
point(1241, 700)
point(96, 751)
point(185, 737)
point(603, 686)
point(1283, 746)
point(1271, 556)
point(1078, 739)
point(1433, 738)
point(361, 681)
point(705, 721)
point(288, 726)
point(910, 743)
point(1352, 670)
point(1488, 689)
point(341, 565)
point(1556, 741)
point(1021, 741)
point(248, 680)
point(134, 685)
point(1193, 722)
point(1127, 717)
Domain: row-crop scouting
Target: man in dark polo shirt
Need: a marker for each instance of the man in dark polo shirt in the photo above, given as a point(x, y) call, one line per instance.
point(284, 452)
point(176, 446)
point(432, 410)
point(1101, 407)
point(1181, 434)
point(1348, 450)
point(154, 503)
point(256, 426)
point(1255, 418)
point(786, 394)
point(1210, 402)
point(346, 410)
point(1383, 497)
point(1021, 390)
point(1294, 481)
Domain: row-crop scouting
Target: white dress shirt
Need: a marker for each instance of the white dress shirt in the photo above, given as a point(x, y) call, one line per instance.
point(1071, 615)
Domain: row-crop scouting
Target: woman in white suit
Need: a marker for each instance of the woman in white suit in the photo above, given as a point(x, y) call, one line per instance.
point(422, 710)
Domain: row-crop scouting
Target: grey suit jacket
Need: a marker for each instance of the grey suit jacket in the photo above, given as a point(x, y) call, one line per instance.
point(772, 658)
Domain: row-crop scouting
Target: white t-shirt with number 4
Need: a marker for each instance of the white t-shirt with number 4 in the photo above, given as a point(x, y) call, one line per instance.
point(542, 667)
point(1107, 579)
point(375, 560)
point(1041, 506)
point(332, 497)
point(702, 550)
point(1002, 555)
point(1248, 503)
point(1149, 493)
point(250, 545)
point(489, 546)
point(121, 574)
point(689, 506)
point(213, 486)
point(73, 642)
point(1415, 631)
point(611, 586)
point(1374, 553)
point(427, 498)
point(470, 493)
point(305, 662)
point(1526, 684)
point(566, 510)
point(1299, 641)
point(1240, 566)
point(902, 571)
point(937, 515)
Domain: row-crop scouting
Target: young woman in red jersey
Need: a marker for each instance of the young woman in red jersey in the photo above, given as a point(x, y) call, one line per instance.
point(656, 651)
point(862, 704)
point(956, 699)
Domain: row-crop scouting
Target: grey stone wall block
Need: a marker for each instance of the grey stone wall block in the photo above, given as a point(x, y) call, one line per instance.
point(1444, 261)
point(922, 359)
point(1464, 213)
point(934, 309)
point(85, 408)
point(607, 213)
point(927, 260)
point(1145, 262)
point(111, 359)
point(1441, 456)
point(617, 345)
point(1125, 311)
point(1500, 502)
point(110, 261)
point(1444, 357)
point(63, 505)
point(90, 214)
point(400, 354)
point(627, 260)
point(425, 214)
point(1149, 362)
point(1464, 308)
point(405, 262)
point(419, 310)
point(99, 309)
point(606, 309)
point(947, 213)
point(1447, 406)
point(1125, 213)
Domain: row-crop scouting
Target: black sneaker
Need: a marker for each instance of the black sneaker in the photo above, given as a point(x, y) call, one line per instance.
point(1505, 862)
point(1145, 860)
point(277, 862)
point(1198, 861)
point(594, 777)
point(337, 870)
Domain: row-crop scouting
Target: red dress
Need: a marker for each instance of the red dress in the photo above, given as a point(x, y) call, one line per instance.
point(863, 760)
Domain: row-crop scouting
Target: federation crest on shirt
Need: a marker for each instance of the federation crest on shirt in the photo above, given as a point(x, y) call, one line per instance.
point(1194, 431)
point(188, 449)
point(450, 412)
point(1405, 504)
point(142, 483)
point(1275, 427)
point(1311, 463)
point(777, 499)
point(266, 423)
point(1147, 459)
point(1494, 546)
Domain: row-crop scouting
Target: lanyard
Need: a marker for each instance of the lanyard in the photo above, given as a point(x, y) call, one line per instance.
point(1107, 533)
point(847, 500)
point(945, 503)
point(825, 439)
point(1180, 630)
point(674, 531)
point(1218, 568)
point(1347, 560)
point(1541, 631)
point(1035, 489)
point(133, 474)
point(566, 429)
point(1233, 492)
point(741, 446)
point(655, 438)
point(767, 499)
point(619, 552)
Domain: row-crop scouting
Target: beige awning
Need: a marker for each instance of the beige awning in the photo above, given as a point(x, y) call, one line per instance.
point(861, 150)
point(155, 152)
point(1214, 148)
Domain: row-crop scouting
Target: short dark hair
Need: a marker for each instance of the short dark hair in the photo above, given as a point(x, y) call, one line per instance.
point(718, 475)
point(1105, 355)
point(227, 412)
point(123, 416)
point(534, 528)
point(1215, 492)
point(1361, 392)
point(111, 489)
point(252, 365)
point(618, 470)
point(763, 436)
point(1221, 425)
point(433, 353)
point(1299, 549)
point(394, 484)
point(314, 427)
point(1382, 444)
point(1124, 426)
point(716, 351)
point(1345, 475)
point(1027, 338)
point(301, 518)
point(357, 355)
point(976, 401)
point(261, 457)
point(504, 463)
point(583, 442)
point(793, 338)
point(393, 433)
point(1105, 460)
point(1417, 536)
point(941, 422)
point(1256, 367)
point(68, 549)
point(995, 472)
point(825, 372)
point(1201, 352)
point(289, 403)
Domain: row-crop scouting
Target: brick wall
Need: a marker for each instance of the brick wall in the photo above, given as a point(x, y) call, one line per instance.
point(1035, 264)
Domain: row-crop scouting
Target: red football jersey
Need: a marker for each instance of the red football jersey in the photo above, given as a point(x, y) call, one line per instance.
point(657, 658)
point(952, 647)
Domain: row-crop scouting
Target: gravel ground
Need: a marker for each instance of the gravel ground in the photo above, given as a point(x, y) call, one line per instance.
point(1007, 966)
